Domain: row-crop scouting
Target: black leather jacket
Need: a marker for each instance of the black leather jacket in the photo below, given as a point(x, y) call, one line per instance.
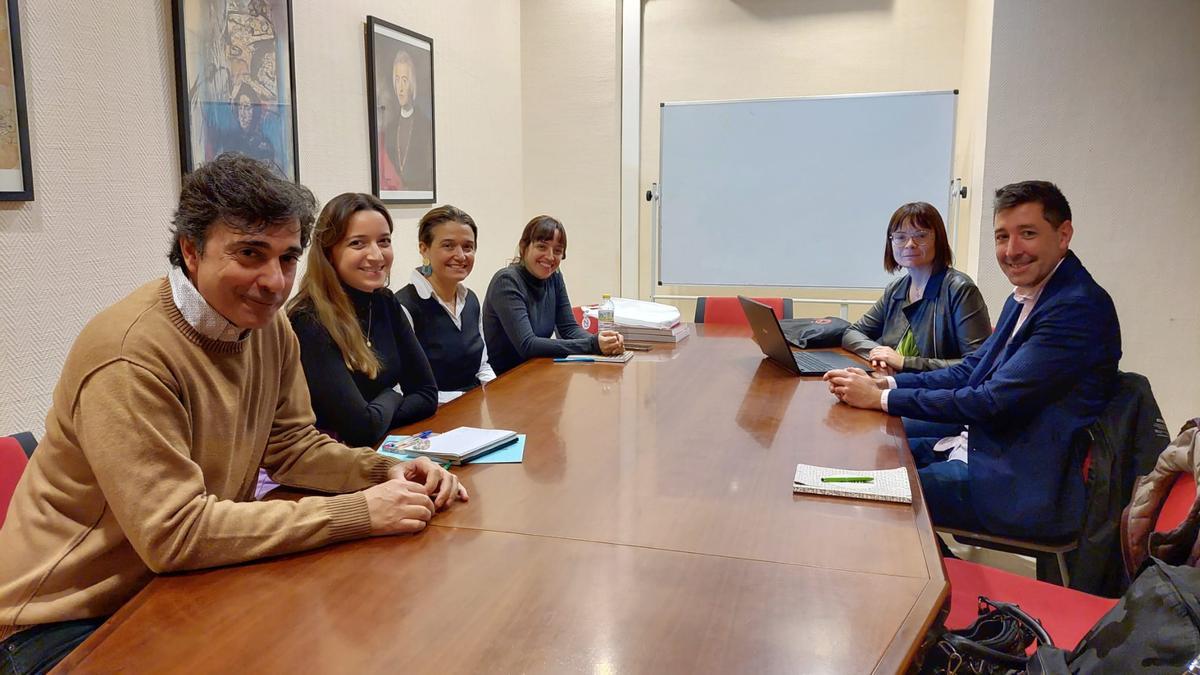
point(956, 324)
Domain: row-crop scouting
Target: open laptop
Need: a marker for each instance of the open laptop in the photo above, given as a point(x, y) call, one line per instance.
point(769, 336)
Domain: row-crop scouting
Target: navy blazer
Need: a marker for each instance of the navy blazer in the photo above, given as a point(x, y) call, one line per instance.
point(1026, 401)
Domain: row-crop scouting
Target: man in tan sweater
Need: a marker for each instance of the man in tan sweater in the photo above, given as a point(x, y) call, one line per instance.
point(168, 404)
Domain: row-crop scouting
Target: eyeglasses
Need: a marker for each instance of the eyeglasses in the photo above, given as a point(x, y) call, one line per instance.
point(919, 237)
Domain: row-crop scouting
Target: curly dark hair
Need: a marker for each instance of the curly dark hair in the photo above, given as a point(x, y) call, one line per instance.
point(244, 194)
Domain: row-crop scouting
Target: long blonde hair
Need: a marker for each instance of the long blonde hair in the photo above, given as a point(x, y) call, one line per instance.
point(321, 289)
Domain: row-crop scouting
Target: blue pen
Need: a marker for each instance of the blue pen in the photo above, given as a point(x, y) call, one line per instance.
point(564, 360)
point(425, 434)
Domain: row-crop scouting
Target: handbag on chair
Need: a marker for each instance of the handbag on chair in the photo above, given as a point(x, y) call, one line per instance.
point(996, 643)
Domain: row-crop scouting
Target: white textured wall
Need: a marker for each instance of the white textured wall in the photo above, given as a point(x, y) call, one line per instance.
point(971, 136)
point(1103, 98)
point(732, 49)
point(477, 103)
point(571, 95)
point(101, 100)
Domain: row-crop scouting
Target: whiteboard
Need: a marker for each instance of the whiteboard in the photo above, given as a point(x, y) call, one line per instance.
point(796, 192)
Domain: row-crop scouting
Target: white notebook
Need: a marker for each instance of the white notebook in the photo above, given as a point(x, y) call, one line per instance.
point(889, 485)
point(459, 445)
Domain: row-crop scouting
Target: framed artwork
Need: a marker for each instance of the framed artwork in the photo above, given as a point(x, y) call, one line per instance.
point(235, 83)
point(16, 173)
point(400, 114)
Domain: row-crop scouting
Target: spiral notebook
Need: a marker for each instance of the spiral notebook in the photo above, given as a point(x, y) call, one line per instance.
point(889, 485)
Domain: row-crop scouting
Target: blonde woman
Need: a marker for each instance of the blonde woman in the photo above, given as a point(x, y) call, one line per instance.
point(366, 371)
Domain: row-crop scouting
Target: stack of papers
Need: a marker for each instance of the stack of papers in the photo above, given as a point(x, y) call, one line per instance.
point(887, 485)
point(675, 333)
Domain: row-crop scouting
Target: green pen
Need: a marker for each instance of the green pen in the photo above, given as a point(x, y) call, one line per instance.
point(446, 465)
point(848, 479)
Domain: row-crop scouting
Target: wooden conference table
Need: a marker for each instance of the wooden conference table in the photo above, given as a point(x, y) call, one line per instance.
point(650, 528)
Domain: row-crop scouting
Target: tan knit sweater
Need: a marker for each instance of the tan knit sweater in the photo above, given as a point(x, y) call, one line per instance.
point(150, 459)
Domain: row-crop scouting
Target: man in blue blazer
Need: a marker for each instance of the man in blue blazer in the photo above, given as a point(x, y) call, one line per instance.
point(1022, 399)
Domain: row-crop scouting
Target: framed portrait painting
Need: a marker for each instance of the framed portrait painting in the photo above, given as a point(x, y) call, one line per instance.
point(400, 105)
point(235, 83)
point(16, 174)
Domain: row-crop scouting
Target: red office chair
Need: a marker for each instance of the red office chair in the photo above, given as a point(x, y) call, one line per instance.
point(15, 451)
point(1066, 614)
point(728, 311)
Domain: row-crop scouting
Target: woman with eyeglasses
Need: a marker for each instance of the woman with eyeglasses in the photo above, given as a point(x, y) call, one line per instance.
point(929, 318)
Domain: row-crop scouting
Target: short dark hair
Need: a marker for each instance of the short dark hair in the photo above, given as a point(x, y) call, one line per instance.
point(245, 194)
point(1055, 208)
point(924, 216)
point(440, 215)
point(541, 228)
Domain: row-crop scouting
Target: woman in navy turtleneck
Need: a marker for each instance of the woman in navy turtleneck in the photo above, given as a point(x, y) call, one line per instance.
point(527, 303)
point(366, 371)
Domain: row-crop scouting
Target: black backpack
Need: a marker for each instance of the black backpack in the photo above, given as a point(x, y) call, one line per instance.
point(1155, 628)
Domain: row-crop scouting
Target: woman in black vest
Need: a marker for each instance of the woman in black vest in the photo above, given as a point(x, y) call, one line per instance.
point(366, 372)
point(444, 312)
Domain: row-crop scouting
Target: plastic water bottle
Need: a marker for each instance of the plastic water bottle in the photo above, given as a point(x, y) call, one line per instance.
point(606, 315)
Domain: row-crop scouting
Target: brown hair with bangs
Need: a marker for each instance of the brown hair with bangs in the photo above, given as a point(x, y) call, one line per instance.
point(541, 228)
point(921, 215)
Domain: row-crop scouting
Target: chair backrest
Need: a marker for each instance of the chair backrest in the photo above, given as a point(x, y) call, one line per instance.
point(728, 311)
point(1178, 504)
point(13, 459)
point(28, 442)
point(1161, 519)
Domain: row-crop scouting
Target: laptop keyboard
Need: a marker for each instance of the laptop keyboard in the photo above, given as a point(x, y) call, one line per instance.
point(808, 362)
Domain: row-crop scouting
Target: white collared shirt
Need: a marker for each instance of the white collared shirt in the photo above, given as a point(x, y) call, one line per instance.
point(424, 291)
point(1028, 297)
point(198, 313)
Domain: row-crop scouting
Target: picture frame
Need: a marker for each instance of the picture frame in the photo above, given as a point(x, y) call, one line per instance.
point(16, 167)
point(400, 117)
point(235, 82)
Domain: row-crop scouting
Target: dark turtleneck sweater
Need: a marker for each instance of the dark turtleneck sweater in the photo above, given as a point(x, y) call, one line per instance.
point(521, 312)
point(349, 405)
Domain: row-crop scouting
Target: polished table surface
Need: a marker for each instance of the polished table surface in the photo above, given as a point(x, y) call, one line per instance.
point(651, 527)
